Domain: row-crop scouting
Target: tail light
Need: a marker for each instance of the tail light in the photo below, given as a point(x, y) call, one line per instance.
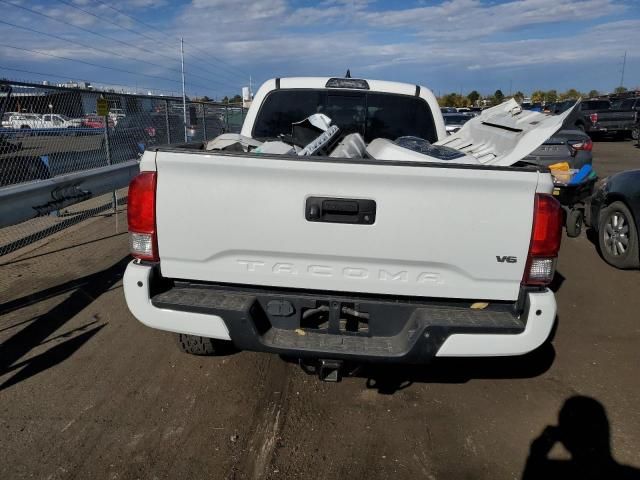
point(545, 241)
point(594, 118)
point(583, 145)
point(141, 214)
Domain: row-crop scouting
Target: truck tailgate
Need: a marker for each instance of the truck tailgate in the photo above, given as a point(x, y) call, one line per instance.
point(449, 231)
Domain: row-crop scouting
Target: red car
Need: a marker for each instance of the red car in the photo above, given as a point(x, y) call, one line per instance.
point(94, 121)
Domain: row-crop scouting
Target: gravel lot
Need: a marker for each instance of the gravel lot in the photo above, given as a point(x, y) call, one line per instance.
point(88, 392)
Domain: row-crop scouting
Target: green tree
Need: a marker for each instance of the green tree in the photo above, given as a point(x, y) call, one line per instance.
point(452, 100)
point(518, 96)
point(620, 89)
point(594, 93)
point(551, 96)
point(537, 96)
point(473, 97)
point(499, 96)
point(571, 94)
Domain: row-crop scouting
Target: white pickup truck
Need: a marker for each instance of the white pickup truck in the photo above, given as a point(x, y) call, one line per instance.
point(36, 120)
point(395, 253)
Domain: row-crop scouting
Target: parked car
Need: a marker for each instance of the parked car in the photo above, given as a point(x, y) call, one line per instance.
point(572, 146)
point(592, 116)
point(60, 121)
point(536, 107)
point(619, 119)
point(115, 114)
point(95, 121)
point(39, 121)
point(587, 113)
point(454, 121)
point(444, 110)
point(23, 121)
point(5, 119)
point(615, 215)
point(626, 104)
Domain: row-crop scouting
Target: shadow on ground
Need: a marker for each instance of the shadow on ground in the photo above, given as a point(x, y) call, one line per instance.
point(51, 252)
point(389, 379)
point(584, 432)
point(36, 333)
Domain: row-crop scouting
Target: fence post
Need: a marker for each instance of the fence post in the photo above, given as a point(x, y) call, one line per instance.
point(204, 123)
point(166, 119)
point(226, 117)
point(107, 145)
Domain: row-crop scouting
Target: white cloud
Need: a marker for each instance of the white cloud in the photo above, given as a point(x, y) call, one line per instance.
point(464, 19)
point(237, 11)
point(277, 37)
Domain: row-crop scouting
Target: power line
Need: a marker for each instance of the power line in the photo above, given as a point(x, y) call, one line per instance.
point(106, 20)
point(133, 31)
point(232, 75)
point(75, 42)
point(98, 65)
point(53, 75)
point(87, 30)
point(208, 54)
point(83, 45)
point(240, 73)
point(107, 37)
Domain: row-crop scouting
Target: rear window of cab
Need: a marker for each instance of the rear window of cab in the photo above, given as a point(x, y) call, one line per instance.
point(371, 114)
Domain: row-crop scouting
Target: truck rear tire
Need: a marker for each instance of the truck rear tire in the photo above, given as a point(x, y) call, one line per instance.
point(195, 345)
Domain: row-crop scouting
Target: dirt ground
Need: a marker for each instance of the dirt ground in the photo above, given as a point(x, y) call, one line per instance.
point(86, 391)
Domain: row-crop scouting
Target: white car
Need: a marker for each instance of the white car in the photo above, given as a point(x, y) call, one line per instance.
point(115, 114)
point(39, 121)
point(353, 244)
point(60, 121)
point(454, 121)
point(22, 120)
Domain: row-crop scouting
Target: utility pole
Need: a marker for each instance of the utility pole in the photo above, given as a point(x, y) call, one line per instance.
point(624, 64)
point(250, 89)
point(184, 96)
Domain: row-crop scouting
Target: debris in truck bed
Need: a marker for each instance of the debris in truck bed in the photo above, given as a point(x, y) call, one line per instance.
point(414, 149)
point(501, 135)
point(275, 147)
point(351, 146)
point(232, 142)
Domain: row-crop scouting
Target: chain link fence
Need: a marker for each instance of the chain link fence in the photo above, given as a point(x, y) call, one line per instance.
point(50, 131)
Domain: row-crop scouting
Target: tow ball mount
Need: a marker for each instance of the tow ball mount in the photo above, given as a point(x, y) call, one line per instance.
point(330, 370)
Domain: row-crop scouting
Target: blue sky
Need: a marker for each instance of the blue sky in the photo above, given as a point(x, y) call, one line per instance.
point(453, 45)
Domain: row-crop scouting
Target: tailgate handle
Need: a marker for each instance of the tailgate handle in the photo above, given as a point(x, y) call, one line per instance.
point(340, 210)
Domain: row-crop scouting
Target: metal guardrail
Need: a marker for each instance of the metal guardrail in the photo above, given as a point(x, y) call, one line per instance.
point(35, 199)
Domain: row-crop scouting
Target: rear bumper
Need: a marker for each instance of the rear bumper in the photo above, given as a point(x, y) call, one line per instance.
point(609, 128)
point(372, 329)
